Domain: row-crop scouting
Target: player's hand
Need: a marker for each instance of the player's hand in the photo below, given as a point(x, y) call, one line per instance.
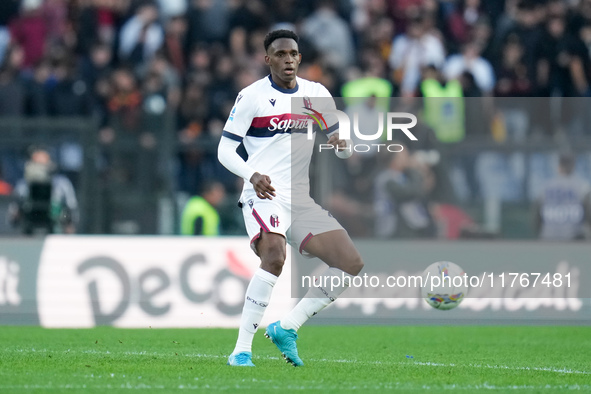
point(262, 186)
point(338, 144)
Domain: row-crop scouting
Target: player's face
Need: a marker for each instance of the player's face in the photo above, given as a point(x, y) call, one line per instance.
point(283, 57)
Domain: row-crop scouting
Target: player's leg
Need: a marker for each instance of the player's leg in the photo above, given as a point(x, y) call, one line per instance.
point(332, 245)
point(270, 247)
point(344, 262)
point(336, 249)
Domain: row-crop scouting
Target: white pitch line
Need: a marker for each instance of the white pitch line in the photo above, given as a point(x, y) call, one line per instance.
point(343, 361)
point(421, 363)
point(387, 386)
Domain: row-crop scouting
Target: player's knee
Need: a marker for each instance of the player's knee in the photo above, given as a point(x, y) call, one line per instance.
point(273, 257)
point(273, 262)
point(356, 264)
point(352, 263)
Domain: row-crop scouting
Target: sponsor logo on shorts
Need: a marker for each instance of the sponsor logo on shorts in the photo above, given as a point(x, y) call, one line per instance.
point(274, 220)
point(250, 203)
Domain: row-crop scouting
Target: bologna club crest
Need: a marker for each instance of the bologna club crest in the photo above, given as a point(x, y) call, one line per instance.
point(274, 220)
point(307, 102)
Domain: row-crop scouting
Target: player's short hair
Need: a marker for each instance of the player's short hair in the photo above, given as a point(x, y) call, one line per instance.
point(276, 34)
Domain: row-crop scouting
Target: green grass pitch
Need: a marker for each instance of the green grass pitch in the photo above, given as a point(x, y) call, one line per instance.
point(338, 359)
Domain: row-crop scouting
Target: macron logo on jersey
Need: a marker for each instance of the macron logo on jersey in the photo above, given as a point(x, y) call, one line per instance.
point(272, 101)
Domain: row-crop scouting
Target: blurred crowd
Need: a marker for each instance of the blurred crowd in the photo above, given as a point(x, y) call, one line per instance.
point(118, 59)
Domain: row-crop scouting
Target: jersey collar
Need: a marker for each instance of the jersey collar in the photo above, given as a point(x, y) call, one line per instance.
point(277, 87)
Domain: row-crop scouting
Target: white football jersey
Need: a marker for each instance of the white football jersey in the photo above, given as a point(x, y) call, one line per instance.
point(275, 134)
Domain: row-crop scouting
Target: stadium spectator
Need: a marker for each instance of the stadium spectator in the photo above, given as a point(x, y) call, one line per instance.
point(71, 95)
point(162, 79)
point(38, 88)
point(97, 22)
point(249, 15)
point(563, 210)
point(193, 111)
point(524, 22)
point(200, 216)
point(46, 199)
point(175, 43)
point(8, 11)
point(97, 65)
point(580, 15)
point(464, 19)
point(452, 221)
point(30, 31)
point(401, 208)
point(5, 187)
point(222, 89)
point(433, 13)
point(13, 100)
point(330, 35)
point(443, 105)
point(12, 83)
point(172, 8)
point(208, 21)
point(536, 48)
point(403, 12)
point(125, 127)
point(377, 36)
point(471, 61)
point(512, 79)
point(366, 13)
point(200, 66)
point(55, 12)
point(411, 51)
point(141, 36)
point(561, 64)
point(563, 71)
point(124, 102)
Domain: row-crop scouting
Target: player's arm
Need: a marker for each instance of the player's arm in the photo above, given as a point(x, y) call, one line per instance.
point(230, 159)
point(235, 129)
point(342, 148)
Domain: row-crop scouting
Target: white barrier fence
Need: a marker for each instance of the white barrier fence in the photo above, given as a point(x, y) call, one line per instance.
point(149, 282)
point(141, 282)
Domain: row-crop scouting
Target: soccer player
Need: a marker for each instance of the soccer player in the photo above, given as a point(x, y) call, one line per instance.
point(276, 206)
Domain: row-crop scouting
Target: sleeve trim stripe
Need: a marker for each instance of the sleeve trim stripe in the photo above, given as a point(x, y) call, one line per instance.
point(332, 128)
point(231, 136)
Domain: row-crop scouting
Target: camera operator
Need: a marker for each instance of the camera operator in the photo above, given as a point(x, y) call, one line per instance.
point(46, 200)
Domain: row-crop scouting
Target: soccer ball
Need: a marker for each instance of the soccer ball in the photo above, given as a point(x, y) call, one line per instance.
point(444, 285)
